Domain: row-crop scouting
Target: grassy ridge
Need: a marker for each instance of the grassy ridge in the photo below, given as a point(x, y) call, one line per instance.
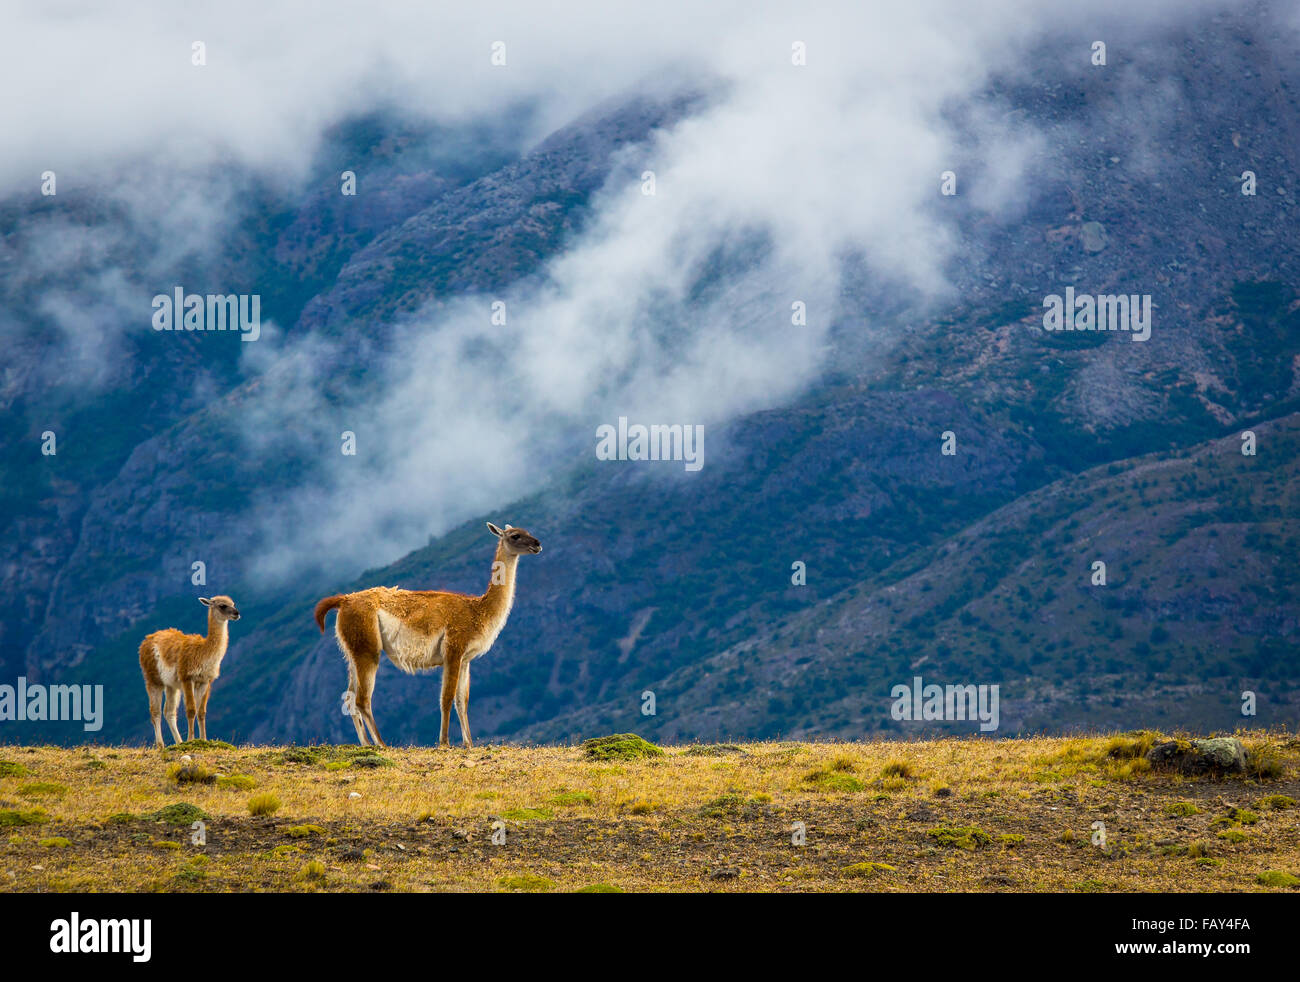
point(956, 814)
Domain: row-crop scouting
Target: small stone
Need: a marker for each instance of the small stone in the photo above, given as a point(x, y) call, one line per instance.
point(1093, 236)
point(354, 794)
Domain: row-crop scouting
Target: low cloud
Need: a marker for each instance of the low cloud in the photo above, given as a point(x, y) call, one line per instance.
point(670, 308)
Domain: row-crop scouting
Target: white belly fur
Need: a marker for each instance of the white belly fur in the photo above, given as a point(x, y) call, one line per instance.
point(407, 648)
point(166, 672)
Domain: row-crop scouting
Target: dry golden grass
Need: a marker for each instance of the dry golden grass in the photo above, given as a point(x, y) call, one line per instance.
point(942, 815)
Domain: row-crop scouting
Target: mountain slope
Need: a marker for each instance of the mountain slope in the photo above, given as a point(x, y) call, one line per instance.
point(658, 578)
point(1199, 604)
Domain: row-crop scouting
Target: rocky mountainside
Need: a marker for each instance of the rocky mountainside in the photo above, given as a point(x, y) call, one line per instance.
point(972, 567)
point(129, 534)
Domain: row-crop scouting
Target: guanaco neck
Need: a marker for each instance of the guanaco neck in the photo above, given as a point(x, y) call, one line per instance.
point(500, 595)
point(218, 636)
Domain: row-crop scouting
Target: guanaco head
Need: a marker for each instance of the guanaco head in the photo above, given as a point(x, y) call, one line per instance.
point(516, 541)
point(225, 607)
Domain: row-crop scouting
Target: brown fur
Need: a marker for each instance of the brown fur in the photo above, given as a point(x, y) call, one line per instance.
point(172, 661)
point(426, 628)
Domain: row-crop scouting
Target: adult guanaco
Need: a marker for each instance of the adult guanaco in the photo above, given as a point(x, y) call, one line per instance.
point(172, 661)
point(422, 629)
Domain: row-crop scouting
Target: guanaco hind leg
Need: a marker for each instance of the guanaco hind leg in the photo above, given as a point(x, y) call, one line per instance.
point(365, 687)
point(358, 634)
point(350, 703)
point(451, 666)
point(173, 705)
point(155, 712)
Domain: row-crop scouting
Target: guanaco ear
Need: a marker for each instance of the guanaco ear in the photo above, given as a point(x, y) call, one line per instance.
point(494, 530)
point(205, 601)
point(509, 527)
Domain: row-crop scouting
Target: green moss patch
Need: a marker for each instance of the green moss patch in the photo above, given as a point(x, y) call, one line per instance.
point(191, 745)
point(42, 789)
point(826, 779)
point(313, 871)
point(10, 817)
point(966, 837)
point(863, 871)
point(528, 814)
point(620, 746)
point(1277, 878)
point(334, 758)
point(1277, 802)
point(567, 799)
point(1237, 816)
point(193, 872)
point(713, 750)
point(179, 813)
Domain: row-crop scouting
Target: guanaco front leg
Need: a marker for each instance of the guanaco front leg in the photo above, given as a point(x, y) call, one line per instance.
point(462, 703)
point(202, 715)
point(190, 708)
point(172, 705)
point(450, 680)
